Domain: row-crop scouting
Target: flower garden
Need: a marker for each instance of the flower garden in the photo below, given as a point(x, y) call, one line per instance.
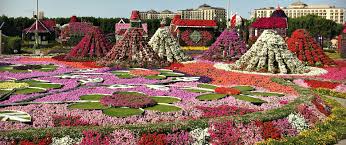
point(275, 92)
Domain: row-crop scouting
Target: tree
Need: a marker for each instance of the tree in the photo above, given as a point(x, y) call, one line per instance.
point(315, 25)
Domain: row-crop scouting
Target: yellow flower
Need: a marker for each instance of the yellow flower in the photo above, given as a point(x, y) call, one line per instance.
point(12, 85)
point(195, 48)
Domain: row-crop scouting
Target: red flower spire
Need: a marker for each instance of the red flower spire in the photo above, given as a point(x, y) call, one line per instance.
point(135, 15)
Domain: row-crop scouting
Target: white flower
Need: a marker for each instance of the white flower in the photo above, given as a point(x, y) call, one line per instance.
point(297, 122)
point(185, 79)
point(67, 140)
point(158, 87)
point(95, 80)
point(200, 136)
point(121, 86)
point(166, 46)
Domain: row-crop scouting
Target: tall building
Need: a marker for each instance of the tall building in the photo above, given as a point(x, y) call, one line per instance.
point(204, 12)
point(152, 14)
point(298, 9)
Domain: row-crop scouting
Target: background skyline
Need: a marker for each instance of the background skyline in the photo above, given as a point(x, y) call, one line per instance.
point(121, 8)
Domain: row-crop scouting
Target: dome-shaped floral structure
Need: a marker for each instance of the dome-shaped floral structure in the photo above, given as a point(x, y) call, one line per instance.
point(270, 54)
point(307, 49)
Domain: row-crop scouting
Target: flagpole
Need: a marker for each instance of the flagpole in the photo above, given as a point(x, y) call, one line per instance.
point(228, 14)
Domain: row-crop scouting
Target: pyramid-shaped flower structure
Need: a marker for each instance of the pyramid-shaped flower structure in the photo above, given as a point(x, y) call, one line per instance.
point(93, 45)
point(228, 46)
point(166, 46)
point(133, 51)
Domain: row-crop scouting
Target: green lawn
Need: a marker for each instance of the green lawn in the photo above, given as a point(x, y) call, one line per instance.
point(122, 112)
point(163, 108)
point(255, 101)
point(46, 85)
point(207, 86)
point(210, 97)
point(165, 99)
point(244, 88)
point(88, 106)
point(263, 94)
point(91, 97)
point(197, 91)
point(156, 77)
point(30, 91)
point(171, 74)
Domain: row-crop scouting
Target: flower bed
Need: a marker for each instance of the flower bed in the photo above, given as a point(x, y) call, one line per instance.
point(285, 111)
point(321, 84)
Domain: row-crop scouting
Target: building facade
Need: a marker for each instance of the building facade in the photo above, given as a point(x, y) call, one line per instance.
point(204, 12)
point(298, 9)
point(152, 14)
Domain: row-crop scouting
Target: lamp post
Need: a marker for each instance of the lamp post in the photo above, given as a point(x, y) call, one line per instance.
point(1, 37)
point(36, 45)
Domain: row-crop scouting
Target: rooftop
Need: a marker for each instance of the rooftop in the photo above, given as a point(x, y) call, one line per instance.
point(299, 4)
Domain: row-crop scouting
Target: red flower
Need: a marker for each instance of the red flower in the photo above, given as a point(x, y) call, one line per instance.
point(308, 50)
point(270, 131)
point(321, 84)
point(321, 106)
point(228, 91)
point(141, 72)
point(174, 66)
point(68, 121)
point(153, 139)
point(224, 110)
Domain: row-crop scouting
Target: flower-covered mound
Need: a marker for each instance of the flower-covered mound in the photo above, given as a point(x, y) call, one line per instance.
point(228, 46)
point(307, 49)
point(93, 45)
point(133, 51)
point(166, 46)
point(270, 54)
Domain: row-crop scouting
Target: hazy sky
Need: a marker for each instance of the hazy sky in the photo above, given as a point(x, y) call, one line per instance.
point(122, 8)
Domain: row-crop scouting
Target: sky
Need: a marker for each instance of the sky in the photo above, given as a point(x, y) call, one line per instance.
point(122, 8)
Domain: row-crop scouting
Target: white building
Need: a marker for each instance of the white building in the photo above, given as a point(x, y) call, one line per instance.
point(298, 9)
point(152, 14)
point(204, 12)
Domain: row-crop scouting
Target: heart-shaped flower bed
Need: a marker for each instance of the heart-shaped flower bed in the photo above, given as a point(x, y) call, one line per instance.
point(228, 91)
point(143, 72)
point(128, 100)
